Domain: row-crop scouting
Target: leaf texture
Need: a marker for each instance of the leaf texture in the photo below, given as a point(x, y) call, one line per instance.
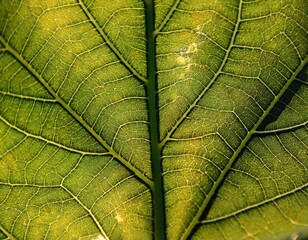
point(153, 119)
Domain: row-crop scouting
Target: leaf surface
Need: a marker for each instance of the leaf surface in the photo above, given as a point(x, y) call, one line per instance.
point(153, 119)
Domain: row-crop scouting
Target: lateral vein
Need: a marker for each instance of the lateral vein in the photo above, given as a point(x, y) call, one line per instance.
point(207, 199)
point(127, 164)
point(52, 142)
point(7, 233)
point(243, 144)
point(255, 205)
point(167, 17)
point(109, 43)
point(204, 91)
point(96, 221)
point(279, 130)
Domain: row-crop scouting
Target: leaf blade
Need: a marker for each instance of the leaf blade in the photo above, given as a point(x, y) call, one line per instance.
point(221, 88)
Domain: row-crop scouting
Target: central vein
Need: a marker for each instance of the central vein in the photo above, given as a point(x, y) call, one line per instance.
point(158, 196)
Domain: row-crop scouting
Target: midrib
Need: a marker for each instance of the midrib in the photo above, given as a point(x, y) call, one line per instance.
point(151, 88)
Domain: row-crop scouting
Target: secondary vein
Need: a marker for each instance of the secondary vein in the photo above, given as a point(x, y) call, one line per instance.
point(89, 211)
point(71, 111)
point(256, 205)
point(205, 90)
point(9, 235)
point(168, 16)
point(51, 142)
point(195, 220)
point(109, 43)
point(243, 144)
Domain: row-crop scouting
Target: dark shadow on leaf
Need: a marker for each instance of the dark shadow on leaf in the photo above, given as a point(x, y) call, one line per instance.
point(272, 117)
point(285, 99)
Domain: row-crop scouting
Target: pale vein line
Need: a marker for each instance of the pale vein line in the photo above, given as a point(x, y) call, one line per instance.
point(244, 142)
point(194, 104)
point(109, 43)
point(242, 146)
point(127, 164)
point(206, 11)
point(118, 11)
point(28, 97)
point(113, 187)
point(7, 233)
point(4, 199)
point(302, 81)
point(22, 185)
point(52, 142)
point(140, 194)
point(168, 16)
point(96, 221)
point(202, 158)
point(255, 205)
point(29, 185)
point(282, 129)
point(12, 148)
point(202, 137)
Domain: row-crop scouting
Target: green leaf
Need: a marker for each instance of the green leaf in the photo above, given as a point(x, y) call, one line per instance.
point(153, 119)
